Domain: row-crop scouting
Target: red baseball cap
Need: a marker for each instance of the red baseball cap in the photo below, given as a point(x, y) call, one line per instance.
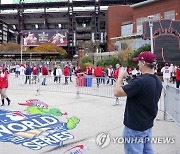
point(147, 56)
point(166, 64)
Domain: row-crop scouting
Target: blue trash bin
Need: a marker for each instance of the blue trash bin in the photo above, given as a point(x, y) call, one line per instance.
point(88, 81)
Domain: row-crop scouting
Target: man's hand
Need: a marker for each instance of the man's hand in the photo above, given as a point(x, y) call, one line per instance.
point(122, 73)
point(118, 91)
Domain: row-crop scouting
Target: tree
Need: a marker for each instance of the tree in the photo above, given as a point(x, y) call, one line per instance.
point(10, 47)
point(85, 61)
point(105, 62)
point(125, 54)
point(49, 47)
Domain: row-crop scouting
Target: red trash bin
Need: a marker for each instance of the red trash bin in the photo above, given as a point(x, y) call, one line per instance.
point(80, 79)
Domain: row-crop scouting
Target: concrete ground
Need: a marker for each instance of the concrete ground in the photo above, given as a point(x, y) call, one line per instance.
point(97, 115)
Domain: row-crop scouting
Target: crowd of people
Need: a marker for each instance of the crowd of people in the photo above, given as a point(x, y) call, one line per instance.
point(30, 74)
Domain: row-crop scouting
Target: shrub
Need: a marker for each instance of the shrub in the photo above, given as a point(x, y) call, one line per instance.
point(108, 61)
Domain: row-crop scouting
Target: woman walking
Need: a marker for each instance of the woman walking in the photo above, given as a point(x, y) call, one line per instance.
point(4, 85)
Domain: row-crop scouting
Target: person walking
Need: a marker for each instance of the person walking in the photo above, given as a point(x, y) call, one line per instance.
point(66, 74)
point(58, 73)
point(70, 72)
point(35, 72)
point(44, 74)
point(28, 72)
point(17, 67)
point(98, 74)
point(22, 73)
point(110, 74)
point(143, 94)
point(166, 74)
point(4, 86)
point(178, 77)
point(54, 73)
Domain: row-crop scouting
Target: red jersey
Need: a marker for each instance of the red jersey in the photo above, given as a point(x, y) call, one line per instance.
point(44, 70)
point(4, 80)
point(178, 74)
point(89, 70)
point(98, 72)
point(66, 71)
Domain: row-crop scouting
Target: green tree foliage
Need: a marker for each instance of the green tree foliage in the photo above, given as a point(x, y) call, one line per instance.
point(108, 61)
point(85, 59)
point(136, 53)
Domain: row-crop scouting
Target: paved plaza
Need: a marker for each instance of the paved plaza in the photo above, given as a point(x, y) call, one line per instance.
point(97, 115)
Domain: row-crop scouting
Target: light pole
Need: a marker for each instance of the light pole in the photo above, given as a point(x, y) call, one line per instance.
point(150, 19)
point(21, 42)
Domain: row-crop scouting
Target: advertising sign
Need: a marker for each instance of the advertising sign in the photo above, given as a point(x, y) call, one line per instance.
point(38, 37)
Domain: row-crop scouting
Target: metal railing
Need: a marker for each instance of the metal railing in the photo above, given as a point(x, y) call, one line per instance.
point(87, 85)
point(172, 103)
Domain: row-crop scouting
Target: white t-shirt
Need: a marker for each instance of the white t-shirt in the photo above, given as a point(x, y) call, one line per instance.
point(58, 72)
point(166, 72)
point(21, 70)
point(134, 72)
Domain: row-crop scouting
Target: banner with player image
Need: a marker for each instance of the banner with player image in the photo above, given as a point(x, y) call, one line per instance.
point(38, 37)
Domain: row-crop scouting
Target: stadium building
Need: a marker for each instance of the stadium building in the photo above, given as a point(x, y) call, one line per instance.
point(73, 21)
point(132, 22)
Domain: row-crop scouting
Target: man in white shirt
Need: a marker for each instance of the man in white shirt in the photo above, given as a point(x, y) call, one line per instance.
point(166, 74)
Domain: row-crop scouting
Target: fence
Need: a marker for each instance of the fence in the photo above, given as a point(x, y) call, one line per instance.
point(172, 103)
point(79, 85)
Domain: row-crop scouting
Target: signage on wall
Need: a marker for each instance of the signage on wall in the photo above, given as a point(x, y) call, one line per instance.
point(38, 37)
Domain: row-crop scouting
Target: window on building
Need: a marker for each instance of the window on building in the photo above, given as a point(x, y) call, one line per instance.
point(126, 30)
point(169, 15)
point(139, 23)
point(156, 16)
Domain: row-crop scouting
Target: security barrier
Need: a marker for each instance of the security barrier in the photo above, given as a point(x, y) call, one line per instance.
point(172, 103)
point(81, 85)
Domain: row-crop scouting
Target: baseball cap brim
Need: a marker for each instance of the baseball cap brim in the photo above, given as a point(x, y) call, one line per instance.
point(136, 59)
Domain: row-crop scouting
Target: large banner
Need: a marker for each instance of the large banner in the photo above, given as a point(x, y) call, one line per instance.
point(38, 37)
